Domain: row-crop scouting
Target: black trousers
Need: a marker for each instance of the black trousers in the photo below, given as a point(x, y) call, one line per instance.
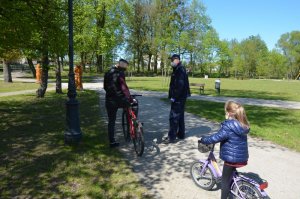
point(176, 119)
point(112, 106)
point(226, 180)
point(111, 109)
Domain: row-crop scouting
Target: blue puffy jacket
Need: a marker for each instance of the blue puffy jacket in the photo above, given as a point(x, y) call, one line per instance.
point(233, 138)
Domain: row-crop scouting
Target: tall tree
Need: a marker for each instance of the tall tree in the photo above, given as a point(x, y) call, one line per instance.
point(253, 53)
point(224, 57)
point(33, 27)
point(277, 65)
point(98, 30)
point(289, 43)
point(49, 19)
point(14, 33)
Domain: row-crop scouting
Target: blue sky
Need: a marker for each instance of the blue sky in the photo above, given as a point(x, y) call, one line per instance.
point(242, 18)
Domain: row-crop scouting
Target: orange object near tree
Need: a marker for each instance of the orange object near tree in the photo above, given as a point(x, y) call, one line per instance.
point(78, 77)
point(38, 73)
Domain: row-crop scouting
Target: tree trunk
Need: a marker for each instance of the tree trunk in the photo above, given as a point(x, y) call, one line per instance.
point(82, 58)
point(31, 66)
point(85, 61)
point(133, 63)
point(99, 63)
point(58, 87)
point(142, 62)
point(149, 63)
point(138, 60)
point(7, 71)
point(43, 86)
point(155, 63)
point(62, 62)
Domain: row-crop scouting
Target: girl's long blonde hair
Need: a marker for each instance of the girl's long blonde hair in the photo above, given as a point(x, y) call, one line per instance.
point(237, 111)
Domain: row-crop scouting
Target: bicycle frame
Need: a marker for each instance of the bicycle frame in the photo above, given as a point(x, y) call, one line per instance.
point(211, 163)
point(131, 120)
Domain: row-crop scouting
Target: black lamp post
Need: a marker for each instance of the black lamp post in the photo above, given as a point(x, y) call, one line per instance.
point(73, 132)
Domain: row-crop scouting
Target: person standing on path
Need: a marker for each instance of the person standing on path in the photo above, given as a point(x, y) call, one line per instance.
point(179, 90)
point(117, 96)
point(234, 144)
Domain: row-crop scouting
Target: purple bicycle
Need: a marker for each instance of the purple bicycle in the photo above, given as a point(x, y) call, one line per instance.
point(206, 173)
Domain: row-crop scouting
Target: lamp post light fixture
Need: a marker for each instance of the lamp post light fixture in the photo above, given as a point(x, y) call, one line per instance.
point(73, 132)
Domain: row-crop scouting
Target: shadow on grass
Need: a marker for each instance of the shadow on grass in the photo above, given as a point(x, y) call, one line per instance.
point(35, 163)
point(268, 123)
point(260, 116)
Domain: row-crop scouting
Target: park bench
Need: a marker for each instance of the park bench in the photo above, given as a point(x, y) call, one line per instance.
point(201, 87)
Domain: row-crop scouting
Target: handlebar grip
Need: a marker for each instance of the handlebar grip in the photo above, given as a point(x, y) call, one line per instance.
point(136, 95)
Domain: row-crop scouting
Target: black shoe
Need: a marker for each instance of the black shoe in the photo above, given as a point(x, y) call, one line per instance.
point(180, 136)
point(168, 141)
point(114, 144)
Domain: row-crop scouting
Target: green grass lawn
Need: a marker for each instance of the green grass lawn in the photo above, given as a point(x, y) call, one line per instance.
point(17, 86)
point(88, 76)
point(35, 163)
point(280, 126)
point(260, 89)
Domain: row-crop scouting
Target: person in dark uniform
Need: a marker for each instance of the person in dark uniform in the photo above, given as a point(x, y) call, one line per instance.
point(179, 90)
point(117, 96)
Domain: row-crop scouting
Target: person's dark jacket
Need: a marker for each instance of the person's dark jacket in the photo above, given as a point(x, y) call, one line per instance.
point(179, 85)
point(233, 138)
point(115, 85)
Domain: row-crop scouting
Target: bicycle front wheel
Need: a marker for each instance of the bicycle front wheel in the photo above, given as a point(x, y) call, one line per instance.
point(125, 126)
point(206, 179)
point(246, 190)
point(138, 139)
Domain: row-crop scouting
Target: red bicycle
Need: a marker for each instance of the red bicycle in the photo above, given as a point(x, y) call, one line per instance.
point(132, 127)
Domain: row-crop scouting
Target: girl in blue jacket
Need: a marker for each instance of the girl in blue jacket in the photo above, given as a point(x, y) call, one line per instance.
point(233, 142)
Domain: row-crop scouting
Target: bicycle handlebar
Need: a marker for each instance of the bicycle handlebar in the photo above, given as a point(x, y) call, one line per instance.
point(136, 95)
point(212, 148)
point(203, 148)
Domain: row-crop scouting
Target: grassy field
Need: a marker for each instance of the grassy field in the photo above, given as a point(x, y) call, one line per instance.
point(280, 126)
point(260, 89)
point(17, 86)
point(35, 163)
point(88, 75)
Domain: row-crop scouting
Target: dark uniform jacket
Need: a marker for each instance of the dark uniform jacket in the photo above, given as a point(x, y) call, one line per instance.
point(179, 85)
point(115, 85)
point(233, 138)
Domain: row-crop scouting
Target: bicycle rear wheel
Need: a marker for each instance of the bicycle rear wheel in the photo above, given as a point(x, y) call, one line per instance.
point(246, 190)
point(206, 180)
point(125, 126)
point(138, 139)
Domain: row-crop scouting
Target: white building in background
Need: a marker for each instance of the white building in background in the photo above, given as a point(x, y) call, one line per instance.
point(146, 59)
point(24, 61)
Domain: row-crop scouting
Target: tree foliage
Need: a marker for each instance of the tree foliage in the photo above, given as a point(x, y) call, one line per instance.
point(146, 32)
point(289, 43)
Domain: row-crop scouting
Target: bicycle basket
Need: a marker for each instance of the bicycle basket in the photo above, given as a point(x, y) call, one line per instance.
point(203, 148)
